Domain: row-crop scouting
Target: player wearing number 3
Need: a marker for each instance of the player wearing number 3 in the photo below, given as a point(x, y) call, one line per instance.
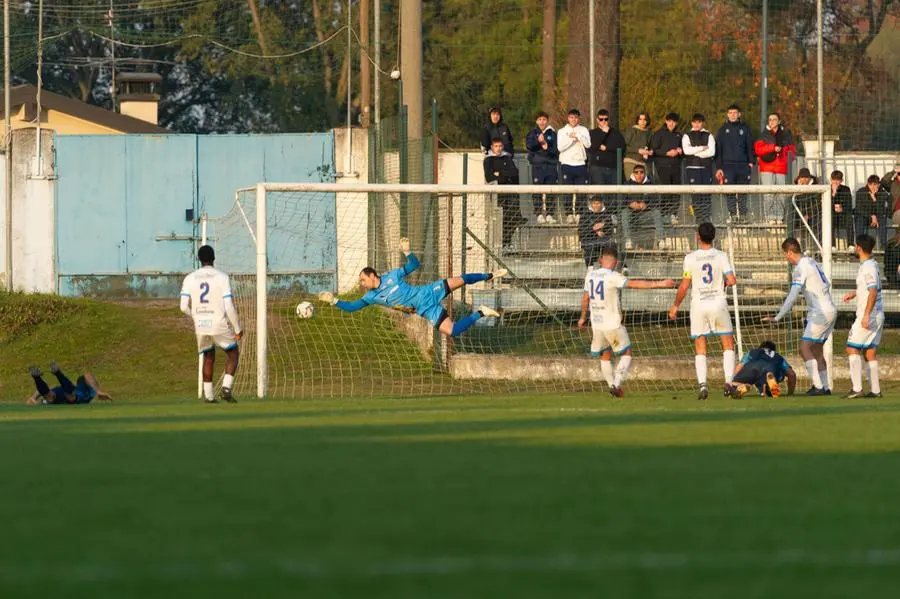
point(707, 272)
point(601, 294)
point(808, 277)
point(206, 296)
point(392, 291)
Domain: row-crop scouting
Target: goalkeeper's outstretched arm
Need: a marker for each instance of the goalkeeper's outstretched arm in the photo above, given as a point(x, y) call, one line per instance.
point(344, 305)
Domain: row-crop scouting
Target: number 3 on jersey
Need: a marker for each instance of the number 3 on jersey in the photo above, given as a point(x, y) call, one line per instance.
point(204, 291)
point(598, 290)
point(707, 273)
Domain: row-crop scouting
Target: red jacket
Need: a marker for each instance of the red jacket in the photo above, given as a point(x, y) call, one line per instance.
point(765, 145)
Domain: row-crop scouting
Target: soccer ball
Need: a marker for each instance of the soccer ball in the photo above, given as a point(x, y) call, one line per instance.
point(305, 310)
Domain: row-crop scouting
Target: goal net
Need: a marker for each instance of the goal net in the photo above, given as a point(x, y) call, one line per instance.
point(285, 243)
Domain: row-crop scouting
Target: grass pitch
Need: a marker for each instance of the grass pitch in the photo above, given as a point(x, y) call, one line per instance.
point(515, 496)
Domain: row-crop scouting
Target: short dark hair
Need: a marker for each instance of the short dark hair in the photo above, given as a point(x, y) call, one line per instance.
point(734, 107)
point(495, 140)
point(873, 179)
point(698, 118)
point(603, 112)
point(638, 168)
point(368, 271)
point(610, 250)
point(597, 198)
point(768, 344)
point(541, 114)
point(673, 116)
point(206, 255)
point(574, 111)
point(837, 175)
point(865, 242)
point(791, 245)
point(707, 232)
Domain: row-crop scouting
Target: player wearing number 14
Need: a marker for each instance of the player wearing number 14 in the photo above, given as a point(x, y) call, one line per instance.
point(601, 294)
point(206, 297)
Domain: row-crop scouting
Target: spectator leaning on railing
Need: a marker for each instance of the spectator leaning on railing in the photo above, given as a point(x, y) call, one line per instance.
point(572, 142)
point(495, 128)
point(639, 209)
point(734, 158)
point(810, 207)
point(499, 167)
point(665, 144)
point(637, 141)
point(544, 159)
point(873, 210)
point(774, 149)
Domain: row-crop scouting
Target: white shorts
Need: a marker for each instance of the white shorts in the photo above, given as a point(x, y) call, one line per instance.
point(819, 326)
point(615, 339)
point(207, 343)
point(711, 318)
point(861, 338)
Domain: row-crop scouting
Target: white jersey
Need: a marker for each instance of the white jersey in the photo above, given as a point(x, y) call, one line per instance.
point(602, 286)
point(707, 269)
point(808, 275)
point(868, 277)
point(208, 292)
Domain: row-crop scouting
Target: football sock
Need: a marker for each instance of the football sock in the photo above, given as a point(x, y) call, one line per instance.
point(606, 368)
point(700, 365)
point(622, 370)
point(823, 376)
point(476, 277)
point(64, 382)
point(42, 387)
point(812, 369)
point(462, 325)
point(728, 365)
point(208, 391)
point(228, 381)
point(855, 371)
point(874, 383)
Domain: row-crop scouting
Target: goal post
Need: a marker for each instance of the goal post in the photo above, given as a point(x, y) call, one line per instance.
point(283, 243)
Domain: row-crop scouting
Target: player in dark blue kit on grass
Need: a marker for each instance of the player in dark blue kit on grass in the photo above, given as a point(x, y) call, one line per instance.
point(392, 291)
point(83, 391)
point(764, 368)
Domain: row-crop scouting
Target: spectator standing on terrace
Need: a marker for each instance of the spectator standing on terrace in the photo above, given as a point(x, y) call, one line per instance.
point(595, 230)
point(734, 158)
point(699, 147)
point(873, 210)
point(775, 150)
point(842, 211)
point(665, 147)
point(892, 256)
point(809, 206)
point(543, 156)
point(641, 210)
point(637, 141)
point(573, 142)
point(495, 128)
point(606, 142)
point(500, 168)
point(891, 184)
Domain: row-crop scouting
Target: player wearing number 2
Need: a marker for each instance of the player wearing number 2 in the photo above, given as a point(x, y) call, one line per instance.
point(809, 278)
point(601, 294)
point(707, 272)
point(206, 296)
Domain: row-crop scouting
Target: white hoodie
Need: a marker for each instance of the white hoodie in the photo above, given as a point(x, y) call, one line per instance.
point(573, 152)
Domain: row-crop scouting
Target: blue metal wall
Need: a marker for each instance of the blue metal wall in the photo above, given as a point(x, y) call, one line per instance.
point(121, 201)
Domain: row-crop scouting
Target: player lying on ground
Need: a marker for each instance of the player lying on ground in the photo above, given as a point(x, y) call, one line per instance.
point(707, 272)
point(865, 334)
point(83, 391)
point(763, 368)
point(206, 297)
point(809, 278)
point(392, 291)
point(601, 294)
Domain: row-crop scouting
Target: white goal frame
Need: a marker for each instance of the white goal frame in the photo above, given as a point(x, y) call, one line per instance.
point(262, 189)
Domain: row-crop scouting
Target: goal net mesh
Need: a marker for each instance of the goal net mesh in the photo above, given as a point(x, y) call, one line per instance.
point(320, 240)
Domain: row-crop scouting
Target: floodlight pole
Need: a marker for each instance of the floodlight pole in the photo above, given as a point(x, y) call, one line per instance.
point(820, 91)
point(592, 69)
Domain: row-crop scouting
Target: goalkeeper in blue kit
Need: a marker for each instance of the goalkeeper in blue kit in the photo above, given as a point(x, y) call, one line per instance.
point(763, 368)
point(392, 291)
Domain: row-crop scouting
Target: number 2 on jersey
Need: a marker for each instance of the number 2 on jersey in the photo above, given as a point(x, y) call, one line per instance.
point(598, 290)
point(204, 291)
point(707, 273)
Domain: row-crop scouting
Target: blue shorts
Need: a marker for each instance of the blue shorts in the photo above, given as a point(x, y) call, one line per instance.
point(428, 301)
point(83, 393)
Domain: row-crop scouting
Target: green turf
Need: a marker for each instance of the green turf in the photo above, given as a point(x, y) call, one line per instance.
point(508, 496)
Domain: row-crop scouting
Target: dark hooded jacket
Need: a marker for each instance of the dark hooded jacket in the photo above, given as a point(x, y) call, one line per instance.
point(499, 131)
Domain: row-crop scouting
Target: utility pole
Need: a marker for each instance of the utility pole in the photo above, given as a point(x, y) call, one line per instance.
point(592, 61)
point(7, 108)
point(377, 26)
point(365, 67)
point(411, 65)
point(764, 74)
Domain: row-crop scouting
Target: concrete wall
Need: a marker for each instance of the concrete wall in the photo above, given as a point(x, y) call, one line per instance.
point(352, 209)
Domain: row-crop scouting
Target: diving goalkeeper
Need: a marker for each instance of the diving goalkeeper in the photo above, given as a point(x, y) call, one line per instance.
point(392, 291)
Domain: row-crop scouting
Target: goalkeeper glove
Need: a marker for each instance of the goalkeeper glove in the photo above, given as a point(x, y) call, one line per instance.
point(404, 245)
point(328, 298)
